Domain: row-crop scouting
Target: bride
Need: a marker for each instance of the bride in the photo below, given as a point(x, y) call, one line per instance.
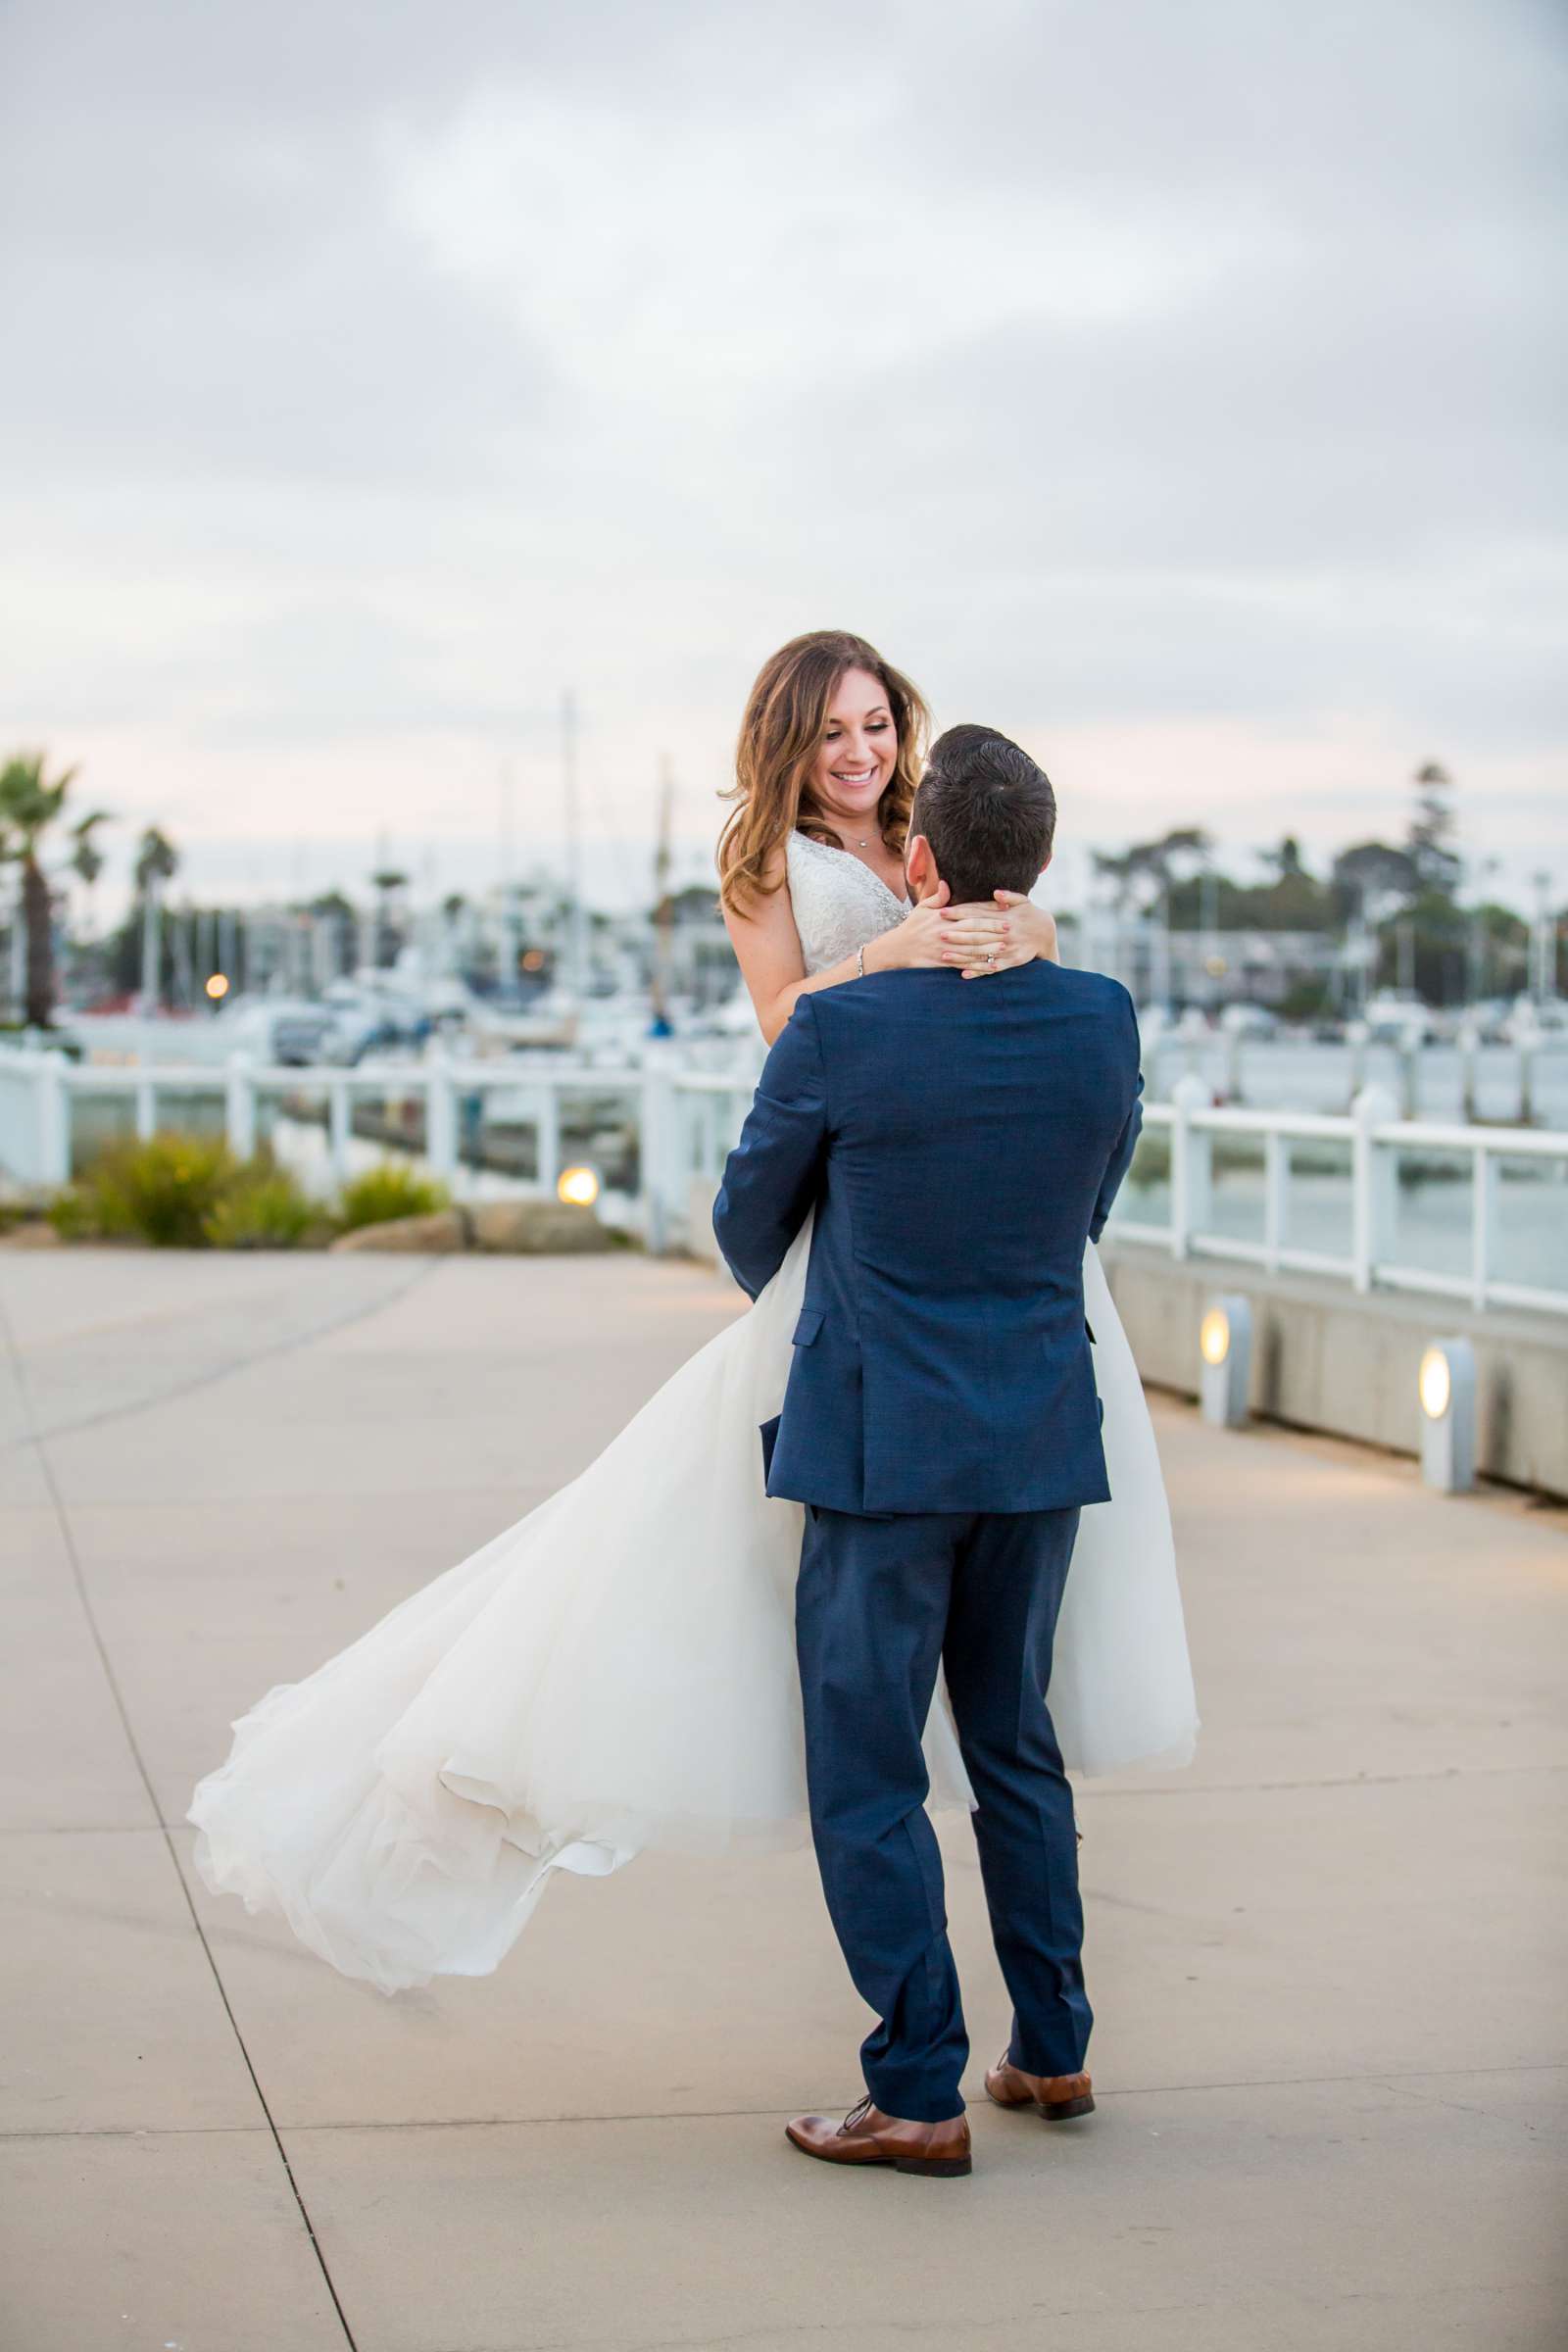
point(616, 1672)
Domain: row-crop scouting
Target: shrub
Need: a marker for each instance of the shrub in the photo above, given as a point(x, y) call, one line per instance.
point(262, 1208)
point(389, 1190)
point(162, 1191)
point(74, 1214)
point(184, 1192)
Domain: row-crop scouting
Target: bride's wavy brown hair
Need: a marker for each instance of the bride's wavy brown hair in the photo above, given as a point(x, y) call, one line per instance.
point(781, 734)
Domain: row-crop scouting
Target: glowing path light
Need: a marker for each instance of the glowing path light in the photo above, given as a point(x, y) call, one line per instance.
point(1447, 1387)
point(1225, 1345)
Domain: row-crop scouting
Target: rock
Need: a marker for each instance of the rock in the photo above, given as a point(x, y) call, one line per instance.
point(536, 1228)
point(443, 1229)
point(518, 1228)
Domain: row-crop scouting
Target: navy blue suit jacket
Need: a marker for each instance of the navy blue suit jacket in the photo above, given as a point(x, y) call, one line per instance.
point(960, 1141)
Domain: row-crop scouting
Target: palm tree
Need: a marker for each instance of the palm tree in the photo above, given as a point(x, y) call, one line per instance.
point(30, 804)
point(157, 858)
point(88, 858)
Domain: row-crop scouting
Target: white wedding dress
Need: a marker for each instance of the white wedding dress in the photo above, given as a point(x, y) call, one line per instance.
point(616, 1672)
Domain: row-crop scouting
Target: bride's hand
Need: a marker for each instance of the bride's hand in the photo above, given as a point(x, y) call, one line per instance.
point(918, 943)
point(994, 938)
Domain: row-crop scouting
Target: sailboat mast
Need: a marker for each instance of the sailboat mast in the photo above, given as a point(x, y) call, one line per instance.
point(576, 913)
point(663, 904)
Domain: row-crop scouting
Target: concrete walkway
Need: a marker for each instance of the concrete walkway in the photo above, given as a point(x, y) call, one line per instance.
point(1327, 1961)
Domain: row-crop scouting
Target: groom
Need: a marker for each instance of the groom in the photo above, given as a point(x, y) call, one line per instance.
point(959, 1144)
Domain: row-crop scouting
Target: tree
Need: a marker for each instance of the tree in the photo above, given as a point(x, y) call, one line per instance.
point(1151, 862)
point(156, 861)
point(1435, 955)
point(1373, 871)
point(1286, 859)
point(88, 858)
point(29, 805)
point(1437, 866)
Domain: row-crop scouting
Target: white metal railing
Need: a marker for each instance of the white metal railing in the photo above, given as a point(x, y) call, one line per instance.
point(1376, 1141)
point(687, 1119)
point(1520, 1077)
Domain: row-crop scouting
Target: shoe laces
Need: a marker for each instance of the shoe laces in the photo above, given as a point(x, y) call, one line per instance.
point(856, 2114)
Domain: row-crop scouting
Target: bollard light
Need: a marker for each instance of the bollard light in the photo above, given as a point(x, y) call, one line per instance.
point(1225, 1344)
point(578, 1187)
point(1447, 1385)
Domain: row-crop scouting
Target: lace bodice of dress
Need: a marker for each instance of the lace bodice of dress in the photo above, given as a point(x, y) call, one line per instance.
point(838, 902)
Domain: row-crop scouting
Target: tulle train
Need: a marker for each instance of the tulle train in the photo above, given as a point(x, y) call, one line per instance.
point(616, 1672)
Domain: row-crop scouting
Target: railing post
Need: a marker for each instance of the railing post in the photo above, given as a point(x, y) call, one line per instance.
point(146, 1110)
point(1356, 1034)
point(239, 1107)
point(339, 1127)
point(1524, 1030)
point(1410, 1084)
point(1482, 1205)
point(1276, 1196)
point(1468, 1041)
point(1371, 1194)
point(547, 1139)
point(440, 1117)
point(1152, 1034)
point(53, 1128)
point(660, 1137)
point(1191, 1162)
point(1232, 1067)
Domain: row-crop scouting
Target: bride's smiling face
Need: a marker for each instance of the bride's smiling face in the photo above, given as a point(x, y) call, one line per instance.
point(859, 747)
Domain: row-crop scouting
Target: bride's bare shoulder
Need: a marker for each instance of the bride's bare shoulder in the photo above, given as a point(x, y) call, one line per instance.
point(770, 893)
point(761, 927)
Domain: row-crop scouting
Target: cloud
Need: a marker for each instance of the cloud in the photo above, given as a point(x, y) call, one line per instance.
point(1177, 377)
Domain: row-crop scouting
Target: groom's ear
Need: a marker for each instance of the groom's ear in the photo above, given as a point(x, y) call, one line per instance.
point(920, 867)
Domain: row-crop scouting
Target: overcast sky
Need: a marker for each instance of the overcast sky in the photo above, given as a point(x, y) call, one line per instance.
point(1177, 389)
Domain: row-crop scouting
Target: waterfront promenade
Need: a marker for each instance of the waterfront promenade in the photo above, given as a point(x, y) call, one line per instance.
point(1328, 1961)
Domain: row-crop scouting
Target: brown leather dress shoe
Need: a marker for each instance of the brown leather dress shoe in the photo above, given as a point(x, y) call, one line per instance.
point(868, 2137)
point(1058, 2097)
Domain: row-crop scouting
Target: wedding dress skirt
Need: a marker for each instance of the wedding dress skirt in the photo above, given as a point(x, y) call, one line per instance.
point(617, 1672)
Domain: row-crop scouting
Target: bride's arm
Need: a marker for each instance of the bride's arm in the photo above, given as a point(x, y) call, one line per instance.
point(767, 949)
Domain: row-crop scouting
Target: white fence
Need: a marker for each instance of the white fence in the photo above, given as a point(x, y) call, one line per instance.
point(1376, 1141)
point(687, 1119)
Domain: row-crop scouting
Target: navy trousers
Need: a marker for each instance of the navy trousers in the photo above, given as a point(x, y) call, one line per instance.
point(879, 1602)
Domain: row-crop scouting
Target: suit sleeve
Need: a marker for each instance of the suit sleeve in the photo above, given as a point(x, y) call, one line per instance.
point(1127, 1141)
point(771, 1177)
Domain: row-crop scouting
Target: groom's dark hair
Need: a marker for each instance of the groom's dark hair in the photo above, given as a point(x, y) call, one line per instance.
point(987, 811)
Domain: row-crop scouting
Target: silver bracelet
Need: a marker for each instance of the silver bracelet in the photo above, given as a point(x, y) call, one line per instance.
point(859, 961)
